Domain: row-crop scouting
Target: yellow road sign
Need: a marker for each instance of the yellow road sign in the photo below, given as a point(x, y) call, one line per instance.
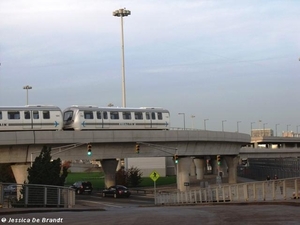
point(154, 175)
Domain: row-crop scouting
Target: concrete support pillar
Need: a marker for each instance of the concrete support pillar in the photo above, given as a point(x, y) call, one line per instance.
point(193, 169)
point(184, 166)
point(119, 166)
point(214, 165)
point(200, 164)
point(223, 167)
point(109, 167)
point(232, 162)
point(20, 173)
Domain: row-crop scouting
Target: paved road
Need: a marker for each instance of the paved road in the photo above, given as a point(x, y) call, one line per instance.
point(207, 214)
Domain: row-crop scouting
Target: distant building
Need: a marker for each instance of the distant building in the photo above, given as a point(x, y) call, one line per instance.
point(289, 134)
point(262, 132)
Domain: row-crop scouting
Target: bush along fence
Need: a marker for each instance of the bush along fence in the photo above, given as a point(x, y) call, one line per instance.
point(30, 195)
point(271, 190)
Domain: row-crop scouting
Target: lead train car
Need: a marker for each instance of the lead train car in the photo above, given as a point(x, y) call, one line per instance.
point(30, 117)
point(98, 118)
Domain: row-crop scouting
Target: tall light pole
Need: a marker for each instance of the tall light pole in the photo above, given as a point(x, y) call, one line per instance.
point(287, 130)
point(264, 128)
point(276, 128)
point(205, 123)
point(237, 126)
point(122, 13)
point(223, 124)
point(192, 116)
point(183, 119)
point(27, 87)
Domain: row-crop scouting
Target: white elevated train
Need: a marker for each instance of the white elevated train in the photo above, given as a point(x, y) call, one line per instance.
point(30, 117)
point(98, 118)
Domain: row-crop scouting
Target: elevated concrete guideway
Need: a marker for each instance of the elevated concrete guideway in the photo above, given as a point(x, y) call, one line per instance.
point(266, 153)
point(17, 147)
point(190, 146)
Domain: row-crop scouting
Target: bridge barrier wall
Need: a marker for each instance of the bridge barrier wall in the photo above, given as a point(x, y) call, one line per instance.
point(262, 191)
point(33, 195)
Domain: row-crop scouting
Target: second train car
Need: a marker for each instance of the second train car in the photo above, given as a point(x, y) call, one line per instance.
point(98, 118)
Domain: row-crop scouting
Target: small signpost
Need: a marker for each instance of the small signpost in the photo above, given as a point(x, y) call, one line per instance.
point(154, 176)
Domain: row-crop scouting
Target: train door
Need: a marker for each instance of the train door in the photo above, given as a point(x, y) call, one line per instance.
point(102, 120)
point(27, 120)
point(148, 120)
point(153, 120)
point(36, 119)
point(105, 119)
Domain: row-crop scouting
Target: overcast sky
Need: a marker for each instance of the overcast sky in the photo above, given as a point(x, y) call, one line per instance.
point(214, 59)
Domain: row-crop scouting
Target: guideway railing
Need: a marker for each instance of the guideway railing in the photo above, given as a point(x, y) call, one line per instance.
point(33, 195)
point(271, 190)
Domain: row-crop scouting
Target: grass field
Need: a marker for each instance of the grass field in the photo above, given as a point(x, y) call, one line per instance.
point(97, 179)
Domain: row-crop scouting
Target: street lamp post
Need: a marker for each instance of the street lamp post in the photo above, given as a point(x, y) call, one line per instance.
point(237, 126)
point(183, 119)
point(122, 13)
point(192, 116)
point(205, 123)
point(264, 128)
point(287, 130)
point(297, 130)
point(276, 128)
point(223, 124)
point(27, 87)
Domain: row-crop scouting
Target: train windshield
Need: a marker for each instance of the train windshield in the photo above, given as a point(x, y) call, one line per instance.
point(68, 115)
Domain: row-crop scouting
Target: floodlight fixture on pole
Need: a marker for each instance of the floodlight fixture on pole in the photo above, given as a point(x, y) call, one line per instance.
point(122, 13)
point(27, 87)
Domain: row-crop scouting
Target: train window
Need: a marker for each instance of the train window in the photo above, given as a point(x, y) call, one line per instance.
point(98, 115)
point(88, 115)
point(147, 116)
point(105, 115)
point(0, 115)
point(153, 115)
point(13, 115)
point(138, 115)
point(46, 114)
point(114, 115)
point(68, 115)
point(27, 115)
point(127, 115)
point(159, 116)
point(35, 115)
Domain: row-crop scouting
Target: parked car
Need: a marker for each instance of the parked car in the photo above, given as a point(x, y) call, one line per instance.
point(10, 189)
point(294, 195)
point(82, 187)
point(116, 191)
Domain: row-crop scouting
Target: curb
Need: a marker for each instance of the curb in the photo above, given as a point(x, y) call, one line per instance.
point(41, 210)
